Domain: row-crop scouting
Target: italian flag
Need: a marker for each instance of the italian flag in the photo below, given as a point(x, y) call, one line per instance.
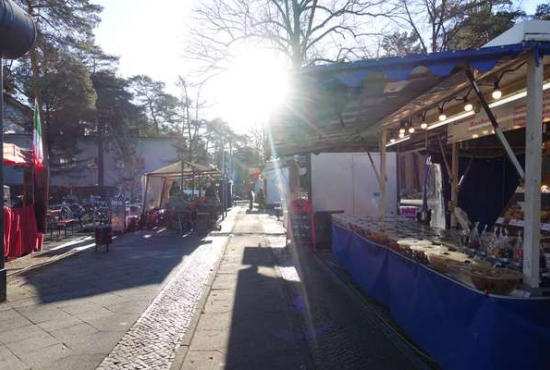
point(38, 149)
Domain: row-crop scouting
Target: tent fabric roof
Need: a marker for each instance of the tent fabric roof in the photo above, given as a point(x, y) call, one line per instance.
point(342, 106)
point(16, 156)
point(174, 170)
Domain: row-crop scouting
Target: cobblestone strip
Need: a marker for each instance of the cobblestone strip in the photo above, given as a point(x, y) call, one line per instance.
point(340, 331)
point(152, 341)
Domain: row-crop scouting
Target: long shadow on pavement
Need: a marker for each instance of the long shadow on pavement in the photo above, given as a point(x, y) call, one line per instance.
point(303, 322)
point(263, 333)
point(141, 259)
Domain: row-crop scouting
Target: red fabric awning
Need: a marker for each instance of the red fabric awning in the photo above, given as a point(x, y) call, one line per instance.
point(16, 156)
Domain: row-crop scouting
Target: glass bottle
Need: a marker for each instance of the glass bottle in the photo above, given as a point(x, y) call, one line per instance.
point(507, 249)
point(497, 244)
point(474, 237)
point(518, 248)
point(484, 240)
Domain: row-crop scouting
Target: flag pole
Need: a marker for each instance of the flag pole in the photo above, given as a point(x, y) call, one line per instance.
point(3, 247)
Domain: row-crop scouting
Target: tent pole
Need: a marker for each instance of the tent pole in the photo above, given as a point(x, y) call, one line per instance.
point(162, 190)
point(383, 175)
point(2, 248)
point(454, 185)
point(533, 169)
point(145, 196)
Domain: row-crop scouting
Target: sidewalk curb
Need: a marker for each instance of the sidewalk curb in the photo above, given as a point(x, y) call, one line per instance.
point(181, 352)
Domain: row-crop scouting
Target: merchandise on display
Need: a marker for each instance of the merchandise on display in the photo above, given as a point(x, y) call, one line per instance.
point(489, 262)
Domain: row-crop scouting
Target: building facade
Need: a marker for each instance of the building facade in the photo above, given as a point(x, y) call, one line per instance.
point(79, 173)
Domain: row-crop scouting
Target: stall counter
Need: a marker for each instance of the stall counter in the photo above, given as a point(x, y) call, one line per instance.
point(459, 326)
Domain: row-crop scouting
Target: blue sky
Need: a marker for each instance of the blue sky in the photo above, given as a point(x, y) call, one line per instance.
point(149, 36)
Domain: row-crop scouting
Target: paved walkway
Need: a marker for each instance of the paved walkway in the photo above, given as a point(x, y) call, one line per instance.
point(71, 314)
point(238, 299)
point(274, 307)
point(247, 321)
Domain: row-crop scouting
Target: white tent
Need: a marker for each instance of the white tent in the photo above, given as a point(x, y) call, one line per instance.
point(157, 184)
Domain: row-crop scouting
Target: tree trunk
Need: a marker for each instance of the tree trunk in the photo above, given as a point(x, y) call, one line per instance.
point(100, 157)
point(297, 58)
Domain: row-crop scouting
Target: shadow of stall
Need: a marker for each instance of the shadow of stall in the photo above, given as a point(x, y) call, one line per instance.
point(141, 259)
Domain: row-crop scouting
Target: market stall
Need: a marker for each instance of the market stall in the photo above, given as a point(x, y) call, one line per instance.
point(165, 199)
point(470, 293)
point(20, 229)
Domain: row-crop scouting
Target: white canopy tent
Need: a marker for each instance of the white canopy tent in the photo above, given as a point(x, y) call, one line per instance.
point(157, 184)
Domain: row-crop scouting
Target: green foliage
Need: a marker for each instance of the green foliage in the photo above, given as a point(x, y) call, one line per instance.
point(67, 95)
point(115, 110)
point(401, 44)
point(55, 72)
point(543, 12)
point(160, 107)
point(485, 20)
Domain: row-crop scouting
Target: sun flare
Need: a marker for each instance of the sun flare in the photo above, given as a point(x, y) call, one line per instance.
point(256, 83)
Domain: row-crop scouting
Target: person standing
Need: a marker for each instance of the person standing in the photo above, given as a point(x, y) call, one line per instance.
point(251, 205)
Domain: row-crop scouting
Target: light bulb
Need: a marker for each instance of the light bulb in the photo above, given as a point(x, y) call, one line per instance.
point(401, 135)
point(392, 140)
point(468, 106)
point(442, 117)
point(411, 130)
point(423, 125)
point(497, 94)
point(402, 130)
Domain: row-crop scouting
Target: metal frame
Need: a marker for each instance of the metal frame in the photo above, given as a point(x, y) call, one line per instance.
point(3, 287)
point(498, 131)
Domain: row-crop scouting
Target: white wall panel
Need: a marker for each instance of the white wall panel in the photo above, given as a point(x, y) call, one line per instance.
point(346, 181)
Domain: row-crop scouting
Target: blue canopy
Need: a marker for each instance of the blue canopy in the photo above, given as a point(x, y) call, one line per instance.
point(333, 104)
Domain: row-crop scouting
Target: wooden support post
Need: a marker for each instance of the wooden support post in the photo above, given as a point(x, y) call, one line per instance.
point(383, 176)
point(454, 185)
point(533, 169)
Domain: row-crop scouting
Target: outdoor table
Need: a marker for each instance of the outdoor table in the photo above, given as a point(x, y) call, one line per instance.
point(460, 327)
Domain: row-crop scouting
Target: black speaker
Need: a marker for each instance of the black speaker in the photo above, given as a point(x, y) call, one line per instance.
point(17, 30)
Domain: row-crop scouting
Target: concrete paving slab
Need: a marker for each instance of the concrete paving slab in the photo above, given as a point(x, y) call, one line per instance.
point(58, 324)
point(34, 343)
point(77, 361)
point(94, 343)
point(211, 340)
point(71, 333)
point(128, 307)
point(9, 361)
point(94, 315)
point(9, 314)
point(214, 321)
point(18, 334)
point(45, 357)
point(84, 305)
point(201, 360)
point(118, 323)
point(25, 302)
point(40, 315)
point(14, 323)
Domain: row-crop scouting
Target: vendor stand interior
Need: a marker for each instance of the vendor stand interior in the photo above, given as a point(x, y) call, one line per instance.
point(470, 296)
point(183, 211)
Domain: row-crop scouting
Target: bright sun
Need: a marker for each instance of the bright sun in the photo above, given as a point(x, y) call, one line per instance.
point(256, 82)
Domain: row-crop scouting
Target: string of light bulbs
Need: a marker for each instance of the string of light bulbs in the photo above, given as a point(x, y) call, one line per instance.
point(443, 120)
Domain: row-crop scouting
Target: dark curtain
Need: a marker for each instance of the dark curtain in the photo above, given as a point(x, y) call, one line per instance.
point(486, 190)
